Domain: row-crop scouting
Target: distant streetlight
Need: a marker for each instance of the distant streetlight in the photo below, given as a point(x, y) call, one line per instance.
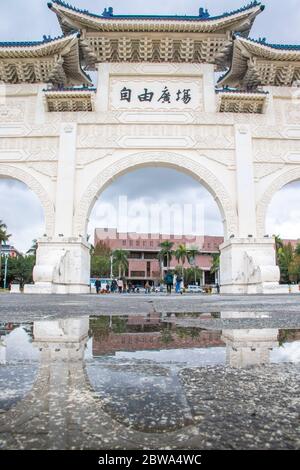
point(192, 262)
point(5, 270)
point(111, 266)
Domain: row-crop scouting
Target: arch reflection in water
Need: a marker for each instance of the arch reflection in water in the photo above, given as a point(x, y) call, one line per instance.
point(117, 393)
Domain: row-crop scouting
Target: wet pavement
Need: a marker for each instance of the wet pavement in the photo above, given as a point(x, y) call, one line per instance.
point(33, 307)
point(213, 380)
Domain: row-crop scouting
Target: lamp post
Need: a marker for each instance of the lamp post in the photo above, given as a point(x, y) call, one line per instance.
point(192, 262)
point(111, 266)
point(5, 270)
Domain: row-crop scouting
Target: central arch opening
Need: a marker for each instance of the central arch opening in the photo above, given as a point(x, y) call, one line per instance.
point(142, 209)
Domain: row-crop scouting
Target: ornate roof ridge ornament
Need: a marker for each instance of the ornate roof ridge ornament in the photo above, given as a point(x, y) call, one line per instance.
point(52, 60)
point(255, 63)
point(202, 16)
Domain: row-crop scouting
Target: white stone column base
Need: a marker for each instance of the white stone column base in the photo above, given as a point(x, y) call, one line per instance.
point(62, 267)
point(248, 266)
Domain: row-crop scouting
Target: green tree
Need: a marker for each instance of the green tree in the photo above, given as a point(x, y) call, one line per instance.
point(285, 258)
point(100, 266)
point(278, 246)
point(215, 263)
point(193, 275)
point(120, 260)
point(4, 237)
point(166, 251)
point(192, 254)
point(102, 249)
point(20, 269)
point(181, 255)
point(294, 269)
point(297, 250)
point(33, 248)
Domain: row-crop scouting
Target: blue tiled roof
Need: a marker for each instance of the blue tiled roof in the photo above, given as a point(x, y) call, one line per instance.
point(75, 88)
point(283, 47)
point(236, 90)
point(203, 14)
point(46, 40)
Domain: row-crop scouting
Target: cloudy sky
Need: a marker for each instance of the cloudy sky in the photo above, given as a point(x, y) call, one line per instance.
point(20, 209)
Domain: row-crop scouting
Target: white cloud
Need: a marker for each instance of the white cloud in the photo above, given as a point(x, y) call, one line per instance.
point(22, 212)
point(283, 217)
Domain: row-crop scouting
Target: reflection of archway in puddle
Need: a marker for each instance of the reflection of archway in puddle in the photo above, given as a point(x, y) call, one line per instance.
point(61, 411)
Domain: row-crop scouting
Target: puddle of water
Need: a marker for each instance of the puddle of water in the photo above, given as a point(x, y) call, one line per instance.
point(136, 374)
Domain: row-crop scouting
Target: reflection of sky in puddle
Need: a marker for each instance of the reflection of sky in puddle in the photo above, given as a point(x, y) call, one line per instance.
point(288, 352)
point(18, 367)
point(141, 385)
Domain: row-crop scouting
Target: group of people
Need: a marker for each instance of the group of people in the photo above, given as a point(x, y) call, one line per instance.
point(115, 286)
point(118, 285)
point(169, 281)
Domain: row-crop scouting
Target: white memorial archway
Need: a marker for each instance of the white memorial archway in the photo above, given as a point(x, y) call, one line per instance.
point(156, 103)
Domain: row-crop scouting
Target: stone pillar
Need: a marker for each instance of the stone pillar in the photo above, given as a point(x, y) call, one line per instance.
point(65, 186)
point(102, 95)
point(245, 182)
point(248, 264)
point(63, 261)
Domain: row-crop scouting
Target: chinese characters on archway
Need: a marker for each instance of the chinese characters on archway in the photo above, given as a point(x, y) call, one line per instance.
point(165, 96)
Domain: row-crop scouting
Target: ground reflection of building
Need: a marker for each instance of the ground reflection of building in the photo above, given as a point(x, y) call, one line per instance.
point(151, 333)
point(63, 411)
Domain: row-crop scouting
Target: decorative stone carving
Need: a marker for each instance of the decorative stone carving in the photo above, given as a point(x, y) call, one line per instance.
point(91, 136)
point(275, 151)
point(94, 188)
point(47, 168)
point(12, 111)
point(265, 169)
point(30, 149)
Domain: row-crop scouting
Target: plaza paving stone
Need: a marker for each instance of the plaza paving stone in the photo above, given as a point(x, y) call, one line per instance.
point(19, 307)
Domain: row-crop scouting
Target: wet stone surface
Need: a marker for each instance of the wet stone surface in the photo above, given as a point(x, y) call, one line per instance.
point(157, 381)
point(19, 307)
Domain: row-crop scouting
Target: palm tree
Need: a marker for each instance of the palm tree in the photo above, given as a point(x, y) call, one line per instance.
point(120, 258)
point(4, 237)
point(278, 246)
point(297, 250)
point(34, 247)
point(181, 254)
point(215, 267)
point(192, 254)
point(166, 252)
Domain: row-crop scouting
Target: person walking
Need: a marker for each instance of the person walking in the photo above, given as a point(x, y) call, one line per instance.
point(169, 281)
point(98, 285)
point(120, 285)
point(114, 286)
point(147, 288)
point(178, 284)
